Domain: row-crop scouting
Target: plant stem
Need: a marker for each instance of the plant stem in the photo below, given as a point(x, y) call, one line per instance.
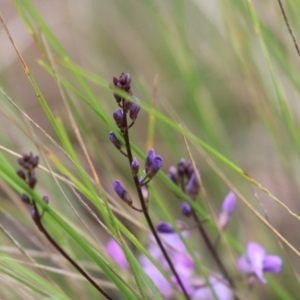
point(41, 227)
point(212, 250)
point(145, 210)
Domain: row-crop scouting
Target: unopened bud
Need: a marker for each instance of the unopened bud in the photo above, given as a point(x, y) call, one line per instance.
point(115, 141)
point(164, 227)
point(135, 166)
point(121, 192)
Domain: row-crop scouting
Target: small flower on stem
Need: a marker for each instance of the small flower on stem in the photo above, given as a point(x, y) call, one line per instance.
point(116, 252)
point(115, 141)
point(164, 227)
point(118, 116)
point(227, 210)
point(135, 166)
point(186, 209)
point(153, 164)
point(121, 192)
point(46, 199)
point(134, 109)
point(256, 261)
point(192, 188)
point(173, 174)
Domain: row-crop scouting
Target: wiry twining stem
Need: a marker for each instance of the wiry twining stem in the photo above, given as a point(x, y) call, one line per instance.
point(27, 173)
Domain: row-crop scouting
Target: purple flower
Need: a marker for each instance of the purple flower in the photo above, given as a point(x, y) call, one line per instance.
point(217, 283)
point(153, 163)
point(173, 174)
point(135, 166)
point(118, 116)
point(134, 109)
point(121, 192)
point(164, 227)
point(116, 252)
point(256, 261)
point(113, 138)
point(192, 188)
point(186, 209)
point(227, 209)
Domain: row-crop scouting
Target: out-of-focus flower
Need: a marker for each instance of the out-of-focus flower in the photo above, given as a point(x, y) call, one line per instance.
point(115, 251)
point(227, 209)
point(186, 209)
point(256, 261)
point(217, 284)
point(177, 252)
point(192, 188)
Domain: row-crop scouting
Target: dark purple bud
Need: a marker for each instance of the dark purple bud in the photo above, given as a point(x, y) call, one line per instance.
point(181, 167)
point(164, 227)
point(115, 81)
point(121, 192)
point(149, 160)
point(127, 105)
point(118, 116)
point(35, 161)
point(125, 79)
point(21, 174)
point(134, 109)
point(173, 174)
point(186, 209)
point(135, 166)
point(31, 179)
point(192, 188)
point(25, 199)
point(189, 170)
point(113, 138)
point(118, 98)
point(34, 215)
point(46, 199)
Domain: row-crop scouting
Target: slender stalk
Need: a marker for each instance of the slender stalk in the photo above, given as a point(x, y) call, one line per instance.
point(145, 210)
point(40, 226)
point(212, 250)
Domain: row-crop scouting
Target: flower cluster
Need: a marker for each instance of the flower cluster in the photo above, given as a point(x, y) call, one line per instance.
point(129, 107)
point(165, 244)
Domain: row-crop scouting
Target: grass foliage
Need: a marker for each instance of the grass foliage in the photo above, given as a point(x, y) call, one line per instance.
point(218, 83)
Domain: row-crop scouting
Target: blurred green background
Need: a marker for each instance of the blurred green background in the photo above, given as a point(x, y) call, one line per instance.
point(226, 70)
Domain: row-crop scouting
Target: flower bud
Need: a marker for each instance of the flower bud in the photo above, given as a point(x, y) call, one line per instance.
point(134, 110)
point(113, 138)
point(164, 227)
point(31, 179)
point(149, 160)
point(192, 188)
point(173, 174)
point(25, 199)
point(153, 163)
point(118, 116)
point(227, 210)
point(186, 209)
point(21, 174)
point(135, 166)
point(121, 192)
point(46, 199)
